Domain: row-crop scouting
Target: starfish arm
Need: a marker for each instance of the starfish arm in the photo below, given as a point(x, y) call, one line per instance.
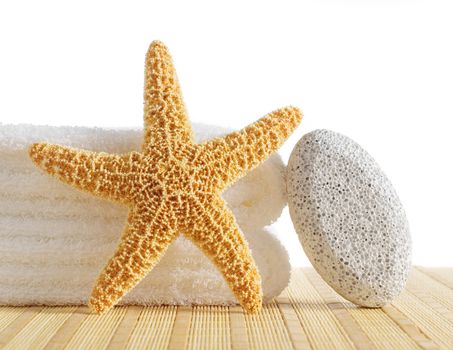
point(215, 231)
point(97, 173)
point(145, 239)
point(233, 155)
point(166, 122)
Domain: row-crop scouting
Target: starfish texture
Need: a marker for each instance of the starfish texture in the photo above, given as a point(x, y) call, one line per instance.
point(172, 186)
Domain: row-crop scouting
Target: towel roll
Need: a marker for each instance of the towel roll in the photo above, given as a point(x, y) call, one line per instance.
point(54, 240)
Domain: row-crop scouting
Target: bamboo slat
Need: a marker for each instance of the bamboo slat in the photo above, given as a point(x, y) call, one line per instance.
point(307, 315)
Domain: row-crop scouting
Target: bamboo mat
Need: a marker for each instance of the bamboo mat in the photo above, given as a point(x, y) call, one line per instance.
point(307, 315)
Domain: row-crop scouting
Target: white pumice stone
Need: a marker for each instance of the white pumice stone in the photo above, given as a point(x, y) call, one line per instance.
point(349, 218)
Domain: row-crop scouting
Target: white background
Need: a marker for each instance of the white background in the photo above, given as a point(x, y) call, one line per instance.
point(380, 72)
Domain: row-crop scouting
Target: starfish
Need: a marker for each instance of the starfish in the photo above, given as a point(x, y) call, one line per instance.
point(173, 186)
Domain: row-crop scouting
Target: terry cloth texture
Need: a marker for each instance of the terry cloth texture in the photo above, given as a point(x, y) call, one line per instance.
point(54, 240)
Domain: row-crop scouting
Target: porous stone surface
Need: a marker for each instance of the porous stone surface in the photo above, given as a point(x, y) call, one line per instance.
point(349, 218)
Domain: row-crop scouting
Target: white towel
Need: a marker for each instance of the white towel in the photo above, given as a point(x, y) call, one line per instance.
point(54, 240)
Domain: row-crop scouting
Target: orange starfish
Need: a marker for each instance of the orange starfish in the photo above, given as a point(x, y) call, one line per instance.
point(172, 186)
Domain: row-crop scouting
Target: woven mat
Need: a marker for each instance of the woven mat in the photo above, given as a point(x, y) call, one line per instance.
point(308, 315)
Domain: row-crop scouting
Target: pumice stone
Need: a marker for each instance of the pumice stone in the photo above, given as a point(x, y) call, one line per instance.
point(349, 218)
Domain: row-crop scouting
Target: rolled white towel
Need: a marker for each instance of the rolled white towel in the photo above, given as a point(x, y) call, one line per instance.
point(54, 240)
point(256, 200)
